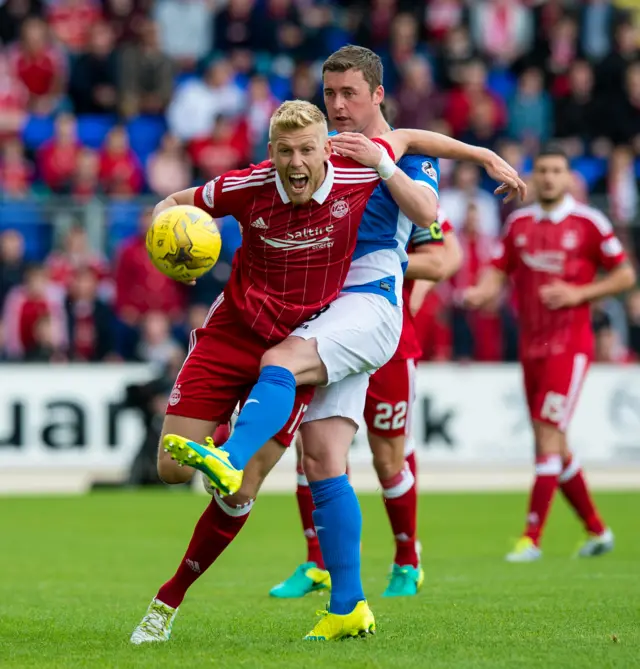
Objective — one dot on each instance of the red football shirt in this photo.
(409, 347)
(293, 260)
(568, 244)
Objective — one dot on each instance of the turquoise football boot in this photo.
(404, 581)
(305, 579)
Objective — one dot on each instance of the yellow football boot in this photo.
(524, 551)
(332, 626)
(211, 461)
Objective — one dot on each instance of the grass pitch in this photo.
(76, 575)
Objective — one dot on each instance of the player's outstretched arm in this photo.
(180, 198)
(487, 289)
(425, 142)
(416, 201)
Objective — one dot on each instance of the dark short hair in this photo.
(352, 57)
(552, 150)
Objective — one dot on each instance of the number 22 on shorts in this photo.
(389, 416)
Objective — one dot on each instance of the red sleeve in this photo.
(607, 248)
(503, 256)
(226, 195)
(385, 145)
(445, 225)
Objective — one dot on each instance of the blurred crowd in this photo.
(122, 99)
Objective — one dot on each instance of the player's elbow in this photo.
(426, 212)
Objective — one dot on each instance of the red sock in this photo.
(306, 508)
(401, 503)
(221, 434)
(217, 528)
(548, 469)
(574, 488)
(413, 464)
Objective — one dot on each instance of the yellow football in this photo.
(183, 242)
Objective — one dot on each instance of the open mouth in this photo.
(298, 182)
(341, 119)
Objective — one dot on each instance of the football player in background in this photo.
(552, 252)
(387, 415)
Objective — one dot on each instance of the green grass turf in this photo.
(76, 575)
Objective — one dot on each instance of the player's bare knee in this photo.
(388, 455)
(319, 469)
(326, 446)
(550, 440)
(300, 357)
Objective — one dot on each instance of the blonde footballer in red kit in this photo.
(552, 251)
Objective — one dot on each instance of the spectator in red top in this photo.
(71, 22)
(39, 65)
(76, 254)
(120, 170)
(57, 158)
(419, 103)
(16, 172)
(472, 92)
(168, 169)
(85, 182)
(90, 322)
(476, 335)
(228, 148)
(25, 306)
(140, 288)
(14, 101)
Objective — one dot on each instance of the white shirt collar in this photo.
(320, 195)
(555, 215)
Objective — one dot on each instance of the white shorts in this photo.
(357, 332)
(344, 399)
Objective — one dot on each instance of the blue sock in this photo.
(264, 414)
(338, 522)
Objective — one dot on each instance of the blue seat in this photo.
(145, 134)
(502, 83)
(37, 130)
(122, 223)
(92, 129)
(29, 218)
(592, 169)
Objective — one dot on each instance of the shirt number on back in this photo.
(390, 417)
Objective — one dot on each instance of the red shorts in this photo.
(553, 386)
(387, 409)
(221, 367)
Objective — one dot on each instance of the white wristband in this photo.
(386, 167)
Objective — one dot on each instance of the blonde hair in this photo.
(295, 115)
